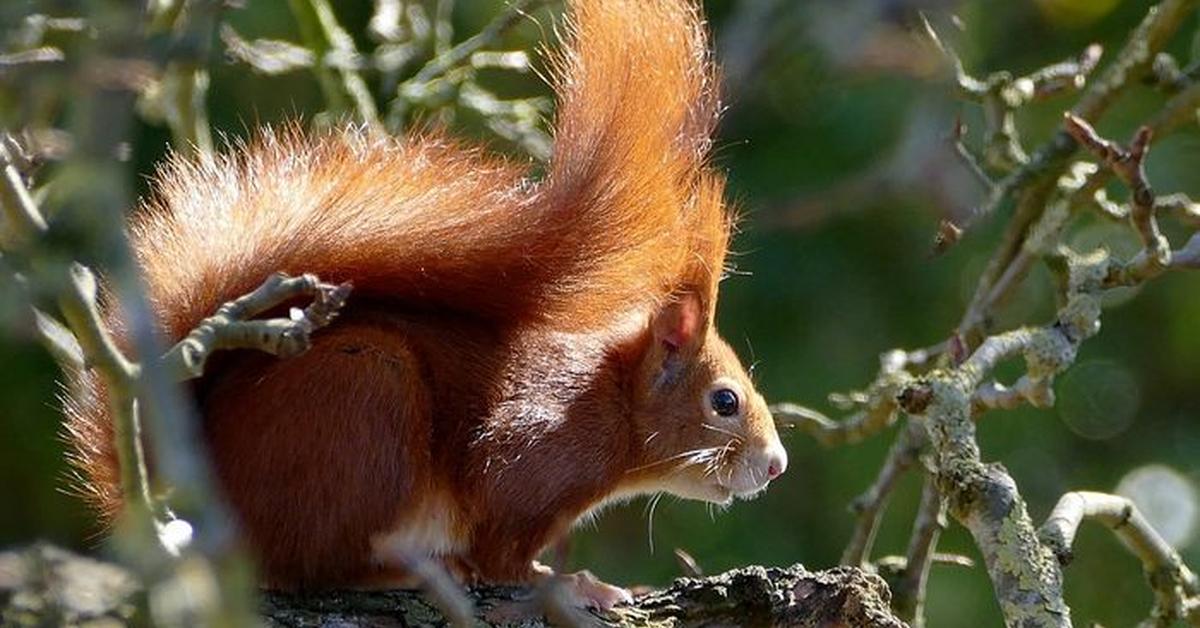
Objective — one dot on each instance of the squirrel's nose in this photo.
(776, 460)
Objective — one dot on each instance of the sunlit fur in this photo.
(515, 352)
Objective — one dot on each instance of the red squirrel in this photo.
(518, 350)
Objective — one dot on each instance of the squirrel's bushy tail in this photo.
(626, 212)
(626, 215)
(638, 103)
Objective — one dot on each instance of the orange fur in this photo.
(515, 351)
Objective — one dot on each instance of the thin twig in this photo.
(456, 56)
(687, 564)
(1001, 94)
(344, 89)
(879, 403)
(266, 56)
(495, 29)
(60, 342)
(869, 506)
(1128, 164)
(909, 590)
(968, 159)
(1187, 257)
(36, 56)
(828, 432)
(231, 328)
(184, 81)
(77, 302)
(993, 395)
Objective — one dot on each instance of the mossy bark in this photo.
(43, 585)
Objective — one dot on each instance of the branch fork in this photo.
(232, 326)
(1129, 165)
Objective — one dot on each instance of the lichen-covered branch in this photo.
(983, 497)
(1033, 184)
(1176, 588)
(948, 398)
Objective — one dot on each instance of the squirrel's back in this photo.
(405, 220)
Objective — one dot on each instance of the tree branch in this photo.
(1128, 164)
(1176, 588)
(231, 327)
(1033, 183)
(783, 597)
(878, 403)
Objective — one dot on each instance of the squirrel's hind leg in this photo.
(321, 453)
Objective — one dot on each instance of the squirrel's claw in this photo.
(588, 591)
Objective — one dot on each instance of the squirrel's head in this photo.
(703, 431)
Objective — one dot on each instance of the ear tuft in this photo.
(678, 325)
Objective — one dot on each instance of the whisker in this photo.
(711, 461)
(709, 426)
(694, 453)
(713, 466)
(650, 520)
(722, 457)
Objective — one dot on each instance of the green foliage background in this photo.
(834, 143)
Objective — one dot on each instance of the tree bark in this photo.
(44, 585)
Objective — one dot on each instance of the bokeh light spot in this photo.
(1166, 498)
(1098, 399)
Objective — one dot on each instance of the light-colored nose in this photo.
(776, 460)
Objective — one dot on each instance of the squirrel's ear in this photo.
(680, 324)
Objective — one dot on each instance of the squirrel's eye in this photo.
(724, 402)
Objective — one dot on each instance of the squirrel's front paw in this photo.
(588, 591)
